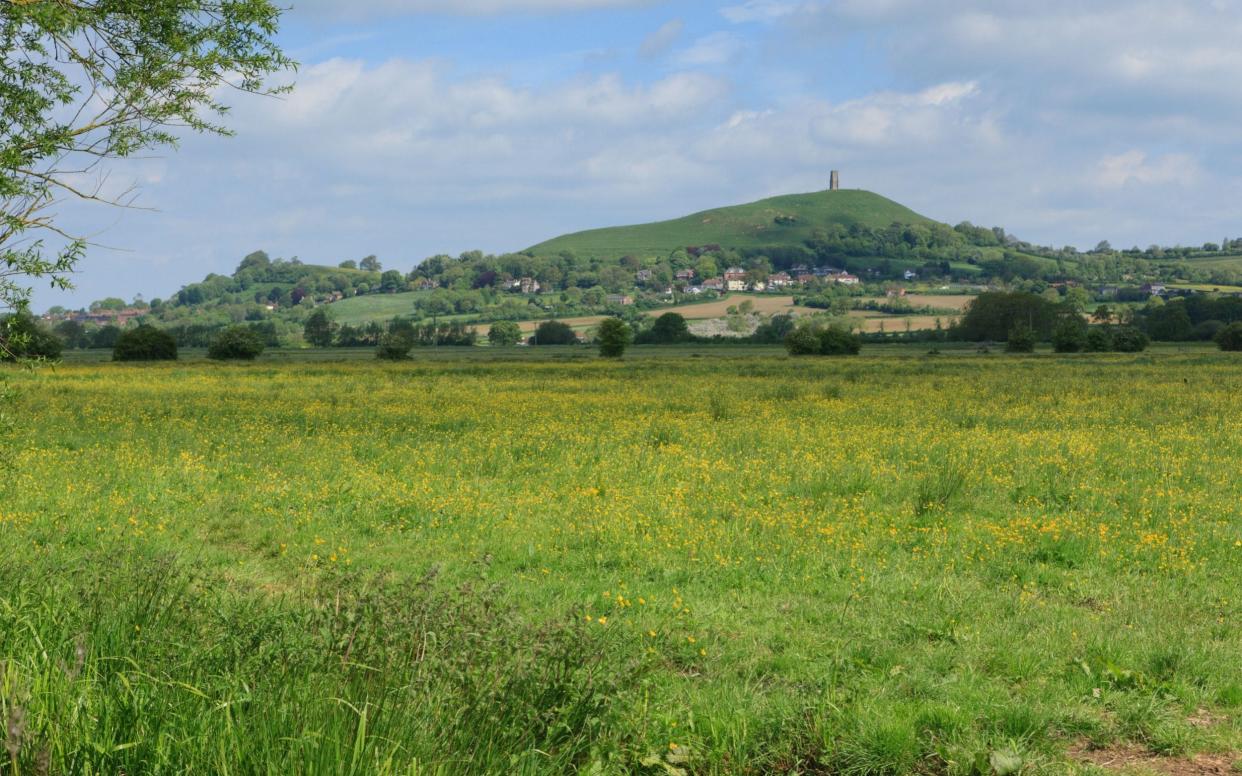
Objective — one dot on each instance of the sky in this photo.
(418, 127)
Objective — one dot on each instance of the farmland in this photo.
(722, 564)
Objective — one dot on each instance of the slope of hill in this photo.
(786, 220)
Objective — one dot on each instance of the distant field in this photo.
(947, 301)
(373, 307)
(696, 559)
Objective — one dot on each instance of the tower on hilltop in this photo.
(835, 184)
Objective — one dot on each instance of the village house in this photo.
(780, 280)
(427, 284)
(643, 276)
(622, 299)
(846, 279)
(1155, 289)
(524, 286)
(909, 274)
(735, 279)
(684, 274)
(713, 284)
(803, 278)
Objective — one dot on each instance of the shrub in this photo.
(1208, 330)
(1230, 337)
(145, 343)
(504, 333)
(614, 337)
(555, 333)
(21, 336)
(1099, 339)
(802, 341)
(395, 345)
(1021, 339)
(836, 341)
(1070, 335)
(238, 343)
(1128, 339)
(668, 329)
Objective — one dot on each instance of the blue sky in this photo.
(437, 126)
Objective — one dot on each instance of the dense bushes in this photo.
(668, 329)
(614, 337)
(811, 340)
(1127, 339)
(145, 343)
(21, 336)
(238, 343)
(1230, 337)
(1070, 335)
(1021, 339)
(993, 315)
(504, 334)
(554, 333)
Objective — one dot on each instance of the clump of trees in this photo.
(145, 343)
(554, 333)
(1230, 337)
(504, 334)
(236, 343)
(22, 337)
(815, 340)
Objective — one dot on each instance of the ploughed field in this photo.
(962, 564)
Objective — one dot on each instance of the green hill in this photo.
(786, 220)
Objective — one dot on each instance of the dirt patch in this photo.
(1134, 759)
(936, 301)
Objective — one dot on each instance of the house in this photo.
(713, 284)
(525, 285)
(802, 278)
(427, 284)
(735, 279)
(846, 279)
(684, 274)
(643, 276)
(622, 299)
(780, 280)
(909, 274)
(1155, 289)
(800, 269)
(1110, 292)
(758, 285)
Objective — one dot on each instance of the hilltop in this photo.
(788, 220)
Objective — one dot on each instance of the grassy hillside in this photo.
(741, 226)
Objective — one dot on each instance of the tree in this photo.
(348, 264)
(1230, 337)
(1127, 339)
(802, 341)
(1102, 314)
(1070, 334)
(392, 281)
(1099, 339)
(838, 341)
(370, 264)
(614, 337)
(555, 333)
(992, 315)
(145, 343)
(1020, 339)
(318, 328)
(85, 82)
(670, 328)
(22, 337)
(236, 343)
(504, 334)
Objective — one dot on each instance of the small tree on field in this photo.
(395, 345)
(670, 328)
(837, 341)
(1230, 337)
(318, 329)
(1099, 339)
(614, 337)
(1128, 339)
(1070, 335)
(1021, 339)
(555, 333)
(504, 334)
(21, 337)
(802, 341)
(145, 343)
(236, 343)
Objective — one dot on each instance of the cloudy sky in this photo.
(437, 126)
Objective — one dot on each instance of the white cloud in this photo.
(759, 11)
(717, 48)
(660, 41)
(1137, 167)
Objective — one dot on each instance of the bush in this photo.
(21, 336)
(774, 330)
(835, 341)
(802, 341)
(1070, 335)
(1230, 337)
(145, 343)
(1208, 330)
(238, 343)
(669, 328)
(555, 333)
(395, 345)
(1021, 339)
(1099, 339)
(614, 337)
(1128, 339)
(504, 333)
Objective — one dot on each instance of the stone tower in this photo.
(835, 184)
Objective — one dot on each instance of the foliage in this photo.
(614, 336)
(318, 328)
(668, 329)
(993, 315)
(1230, 337)
(239, 343)
(22, 337)
(773, 330)
(1099, 339)
(554, 333)
(395, 344)
(1127, 339)
(802, 341)
(838, 341)
(1070, 334)
(145, 343)
(504, 334)
(1020, 339)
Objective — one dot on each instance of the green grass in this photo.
(374, 307)
(742, 226)
(714, 560)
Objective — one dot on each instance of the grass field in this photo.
(484, 562)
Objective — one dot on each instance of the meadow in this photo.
(732, 563)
